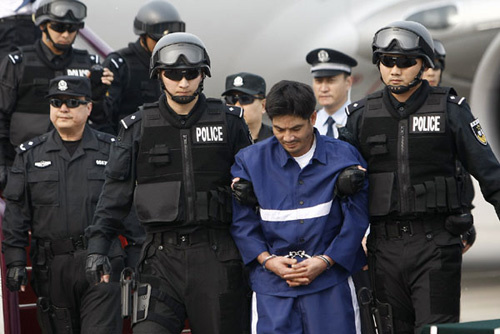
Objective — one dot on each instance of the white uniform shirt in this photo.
(339, 116)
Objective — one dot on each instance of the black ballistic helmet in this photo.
(65, 11)
(158, 18)
(439, 52)
(179, 50)
(404, 38)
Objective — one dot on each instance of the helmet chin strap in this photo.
(403, 89)
(183, 99)
(61, 47)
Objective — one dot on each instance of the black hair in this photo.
(290, 98)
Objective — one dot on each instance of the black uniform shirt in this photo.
(476, 156)
(113, 208)
(52, 193)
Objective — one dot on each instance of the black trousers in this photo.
(91, 309)
(418, 273)
(203, 273)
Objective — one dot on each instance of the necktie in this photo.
(330, 122)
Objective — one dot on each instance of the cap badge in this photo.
(323, 56)
(238, 81)
(62, 85)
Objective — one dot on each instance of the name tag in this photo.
(429, 123)
(209, 134)
(101, 162)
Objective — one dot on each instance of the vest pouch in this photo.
(381, 188)
(378, 144)
(157, 202)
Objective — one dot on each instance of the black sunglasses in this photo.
(401, 62)
(70, 103)
(62, 27)
(243, 99)
(178, 74)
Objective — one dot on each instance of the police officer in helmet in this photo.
(411, 135)
(132, 85)
(173, 159)
(25, 76)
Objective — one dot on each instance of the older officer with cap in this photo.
(248, 91)
(332, 81)
(52, 191)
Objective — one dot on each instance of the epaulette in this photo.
(95, 59)
(116, 59)
(106, 137)
(217, 105)
(16, 57)
(128, 121)
(28, 145)
(353, 107)
(456, 99)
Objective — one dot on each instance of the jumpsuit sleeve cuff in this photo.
(15, 254)
(98, 245)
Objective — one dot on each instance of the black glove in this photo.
(350, 181)
(244, 194)
(469, 237)
(97, 265)
(16, 276)
(3, 176)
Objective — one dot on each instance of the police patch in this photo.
(209, 134)
(428, 123)
(43, 164)
(478, 132)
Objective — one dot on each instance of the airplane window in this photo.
(436, 18)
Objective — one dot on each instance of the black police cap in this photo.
(328, 62)
(247, 83)
(70, 85)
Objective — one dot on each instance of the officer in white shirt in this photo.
(332, 81)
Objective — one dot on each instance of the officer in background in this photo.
(434, 77)
(248, 91)
(25, 75)
(16, 25)
(411, 135)
(52, 191)
(172, 159)
(332, 81)
(132, 85)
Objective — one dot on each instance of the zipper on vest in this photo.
(403, 167)
(188, 176)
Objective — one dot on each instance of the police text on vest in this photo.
(209, 134)
(426, 123)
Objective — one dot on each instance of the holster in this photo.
(459, 224)
(376, 317)
(52, 319)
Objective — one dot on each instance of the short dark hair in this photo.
(290, 98)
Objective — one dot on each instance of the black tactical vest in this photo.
(31, 116)
(183, 173)
(411, 159)
(140, 88)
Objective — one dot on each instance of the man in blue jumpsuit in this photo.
(304, 243)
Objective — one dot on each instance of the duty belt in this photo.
(178, 239)
(63, 246)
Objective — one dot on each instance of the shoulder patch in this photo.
(128, 121)
(28, 145)
(478, 132)
(354, 107)
(106, 137)
(456, 99)
(16, 57)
